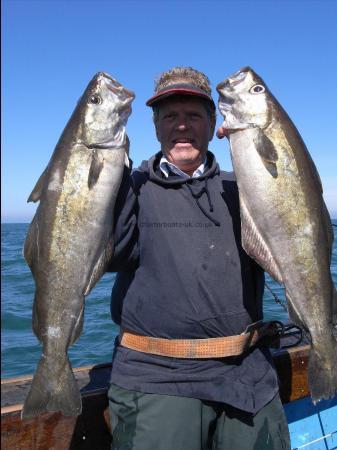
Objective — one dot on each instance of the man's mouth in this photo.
(182, 141)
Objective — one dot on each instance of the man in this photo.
(183, 275)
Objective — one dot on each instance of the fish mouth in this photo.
(238, 76)
(117, 88)
(234, 79)
(124, 114)
(224, 107)
(121, 91)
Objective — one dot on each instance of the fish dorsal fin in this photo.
(312, 167)
(96, 167)
(255, 246)
(326, 222)
(101, 265)
(267, 152)
(31, 245)
(334, 313)
(38, 188)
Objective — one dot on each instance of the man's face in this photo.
(184, 128)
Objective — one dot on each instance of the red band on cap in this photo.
(181, 89)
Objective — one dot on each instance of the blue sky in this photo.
(51, 49)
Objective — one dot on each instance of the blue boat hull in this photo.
(312, 427)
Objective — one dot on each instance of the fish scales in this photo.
(285, 223)
(70, 239)
(290, 219)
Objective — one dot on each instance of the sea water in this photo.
(21, 349)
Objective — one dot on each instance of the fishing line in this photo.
(277, 300)
(289, 330)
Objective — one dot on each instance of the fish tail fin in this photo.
(54, 388)
(322, 374)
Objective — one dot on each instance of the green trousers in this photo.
(161, 422)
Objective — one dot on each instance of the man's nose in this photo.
(182, 124)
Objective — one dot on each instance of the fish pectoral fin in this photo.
(96, 167)
(267, 152)
(38, 188)
(255, 246)
(100, 266)
(314, 171)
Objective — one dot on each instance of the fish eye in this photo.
(257, 89)
(95, 99)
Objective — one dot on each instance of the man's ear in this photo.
(157, 130)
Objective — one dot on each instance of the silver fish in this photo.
(285, 224)
(70, 238)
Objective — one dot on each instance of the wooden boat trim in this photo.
(91, 428)
(292, 360)
(18, 408)
(11, 409)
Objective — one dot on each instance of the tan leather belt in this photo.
(219, 347)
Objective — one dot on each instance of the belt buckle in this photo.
(253, 326)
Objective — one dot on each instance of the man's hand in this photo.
(222, 132)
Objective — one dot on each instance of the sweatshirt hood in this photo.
(196, 186)
(151, 167)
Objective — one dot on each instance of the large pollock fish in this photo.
(286, 227)
(70, 238)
